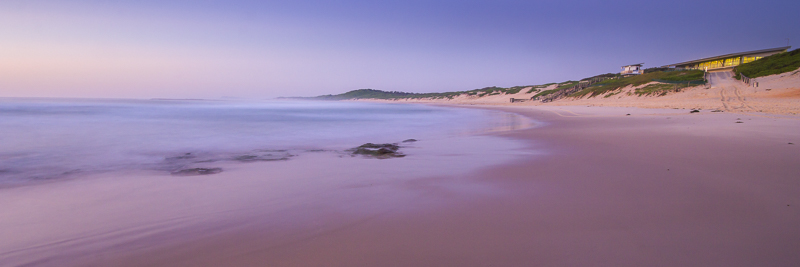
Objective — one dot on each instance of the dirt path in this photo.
(733, 100)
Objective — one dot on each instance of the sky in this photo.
(265, 49)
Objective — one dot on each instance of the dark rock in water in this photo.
(182, 159)
(70, 172)
(739, 122)
(791, 143)
(381, 151)
(264, 155)
(694, 111)
(409, 140)
(197, 171)
(716, 110)
(184, 156)
(273, 150)
(384, 151)
(246, 158)
(377, 146)
(253, 158)
(627, 114)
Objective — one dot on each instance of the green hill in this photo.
(366, 93)
(774, 64)
(378, 94)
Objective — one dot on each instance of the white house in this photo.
(634, 69)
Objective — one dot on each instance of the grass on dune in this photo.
(538, 87)
(636, 80)
(561, 86)
(659, 89)
(774, 64)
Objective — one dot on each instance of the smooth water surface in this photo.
(43, 139)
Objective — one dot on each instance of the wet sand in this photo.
(653, 188)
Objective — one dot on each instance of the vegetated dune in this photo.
(775, 94)
(478, 100)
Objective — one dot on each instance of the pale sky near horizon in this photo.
(264, 49)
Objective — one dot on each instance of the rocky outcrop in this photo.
(379, 151)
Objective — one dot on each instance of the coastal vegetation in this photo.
(393, 95)
(566, 85)
(658, 89)
(613, 82)
(668, 79)
(676, 76)
(560, 87)
(539, 87)
(774, 64)
(546, 92)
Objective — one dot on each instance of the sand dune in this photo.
(776, 94)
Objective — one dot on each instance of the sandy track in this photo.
(724, 100)
(725, 82)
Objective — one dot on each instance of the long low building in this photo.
(729, 60)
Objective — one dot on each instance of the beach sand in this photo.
(599, 187)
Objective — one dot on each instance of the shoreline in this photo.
(71, 222)
(658, 187)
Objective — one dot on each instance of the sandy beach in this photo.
(593, 186)
(399, 133)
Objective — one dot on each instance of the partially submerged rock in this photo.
(197, 171)
(694, 111)
(184, 156)
(264, 155)
(380, 151)
(409, 140)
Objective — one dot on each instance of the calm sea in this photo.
(45, 139)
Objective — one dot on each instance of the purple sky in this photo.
(262, 49)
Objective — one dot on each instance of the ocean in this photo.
(50, 139)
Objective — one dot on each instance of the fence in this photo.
(748, 81)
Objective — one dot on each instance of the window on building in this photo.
(750, 59)
(712, 64)
(732, 62)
